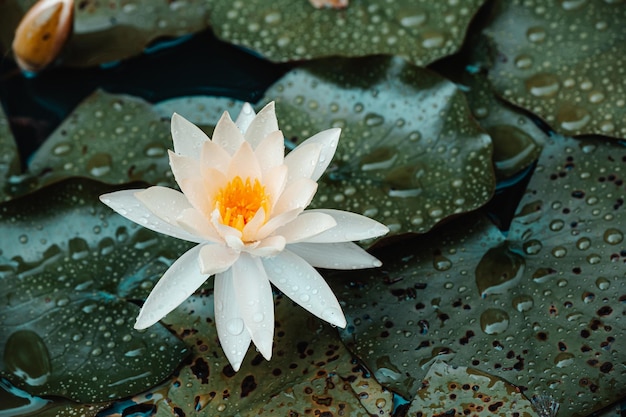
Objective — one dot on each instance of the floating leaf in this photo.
(311, 372)
(462, 391)
(112, 138)
(410, 153)
(105, 32)
(562, 60)
(286, 30)
(65, 329)
(541, 309)
(9, 159)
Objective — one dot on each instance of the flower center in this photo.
(239, 201)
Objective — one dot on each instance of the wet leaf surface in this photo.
(105, 32)
(461, 391)
(541, 309)
(311, 372)
(409, 155)
(9, 158)
(67, 270)
(563, 61)
(286, 30)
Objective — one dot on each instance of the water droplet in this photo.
(235, 326)
(563, 359)
(100, 164)
(613, 236)
(373, 119)
(523, 61)
(559, 251)
(432, 39)
(379, 158)
(494, 321)
(523, 303)
(572, 4)
(258, 317)
(304, 298)
(536, 34)
(583, 243)
(572, 117)
(543, 274)
(154, 150)
(62, 149)
(441, 263)
(556, 225)
(543, 85)
(602, 283)
(273, 18)
(27, 357)
(411, 19)
(532, 247)
(498, 270)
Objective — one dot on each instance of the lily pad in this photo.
(410, 153)
(311, 372)
(286, 30)
(461, 391)
(9, 159)
(65, 328)
(111, 138)
(106, 32)
(541, 309)
(562, 60)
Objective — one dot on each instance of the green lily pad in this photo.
(9, 159)
(111, 138)
(461, 391)
(562, 60)
(105, 32)
(286, 30)
(541, 309)
(410, 153)
(311, 372)
(66, 269)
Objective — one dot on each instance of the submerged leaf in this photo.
(65, 267)
(287, 30)
(410, 153)
(541, 309)
(563, 60)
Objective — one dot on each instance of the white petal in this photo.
(227, 134)
(231, 331)
(302, 161)
(298, 194)
(305, 226)
(350, 227)
(303, 284)
(166, 203)
(223, 230)
(216, 258)
(328, 139)
(183, 167)
(270, 246)
(196, 223)
(251, 228)
(263, 124)
(271, 151)
(245, 117)
(256, 302)
(346, 255)
(274, 182)
(244, 164)
(276, 222)
(125, 203)
(214, 156)
(188, 138)
(178, 283)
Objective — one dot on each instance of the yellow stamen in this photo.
(238, 202)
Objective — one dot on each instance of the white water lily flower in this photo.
(243, 202)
